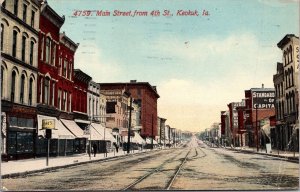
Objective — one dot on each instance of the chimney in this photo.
(262, 85)
(132, 81)
(154, 87)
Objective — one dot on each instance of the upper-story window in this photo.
(30, 91)
(16, 4)
(2, 73)
(53, 55)
(23, 47)
(65, 68)
(13, 86)
(22, 88)
(2, 36)
(24, 12)
(70, 71)
(14, 45)
(32, 18)
(46, 90)
(48, 49)
(42, 48)
(59, 99)
(31, 53)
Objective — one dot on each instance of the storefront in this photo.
(108, 138)
(18, 132)
(80, 141)
(61, 142)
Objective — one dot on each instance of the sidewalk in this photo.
(288, 155)
(26, 166)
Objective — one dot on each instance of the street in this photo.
(193, 167)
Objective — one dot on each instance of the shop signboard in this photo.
(263, 99)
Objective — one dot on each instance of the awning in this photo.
(105, 132)
(74, 128)
(60, 131)
(94, 134)
(82, 121)
(149, 141)
(138, 139)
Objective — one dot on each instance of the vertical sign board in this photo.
(48, 124)
(263, 99)
(296, 57)
(235, 119)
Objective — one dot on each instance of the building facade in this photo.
(19, 74)
(93, 100)
(147, 96)
(286, 84)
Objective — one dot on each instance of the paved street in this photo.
(205, 168)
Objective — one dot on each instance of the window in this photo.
(70, 102)
(41, 89)
(23, 48)
(2, 73)
(31, 53)
(52, 93)
(24, 12)
(13, 86)
(46, 90)
(2, 34)
(53, 55)
(48, 50)
(93, 109)
(70, 71)
(90, 106)
(14, 46)
(65, 101)
(32, 18)
(30, 92)
(42, 48)
(59, 98)
(65, 68)
(16, 4)
(22, 89)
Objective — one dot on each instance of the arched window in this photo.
(2, 36)
(286, 79)
(30, 91)
(31, 53)
(46, 90)
(14, 43)
(291, 53)
(13, 86)
(289, 77)
(22, 88)
(23, 48)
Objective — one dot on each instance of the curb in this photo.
(290, 159)
(48, 169)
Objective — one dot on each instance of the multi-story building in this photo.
(259, 104)
(19, 68)
(102, 108)
(147, 96)
(161, 123)
(234, 121)
(287, 94)
(93, 97)
(65, 84)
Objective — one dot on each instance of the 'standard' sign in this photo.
(263, 99)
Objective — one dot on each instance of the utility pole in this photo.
(129, 126)
(257, 148)
(152, 133)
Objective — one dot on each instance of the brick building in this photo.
(233, 115)
(147, 97)
(259, 104)
(287, 95)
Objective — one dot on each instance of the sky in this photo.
(198, 63)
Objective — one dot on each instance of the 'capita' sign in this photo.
(263, 99)
(48, 124)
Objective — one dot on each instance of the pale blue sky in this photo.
(199, 64)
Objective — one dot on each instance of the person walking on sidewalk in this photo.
(95, 149)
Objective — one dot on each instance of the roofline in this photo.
(130, 83)
(285, 39)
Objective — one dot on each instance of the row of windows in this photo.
(288, 55)
(48, 47)
(279, 90)
(290, 105)
(65, 68)
(25, 11)
(25, 42)
(92, 107)
(289, 77)
(25, 90)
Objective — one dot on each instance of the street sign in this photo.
(48, 124)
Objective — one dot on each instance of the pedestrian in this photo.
(95, 149)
